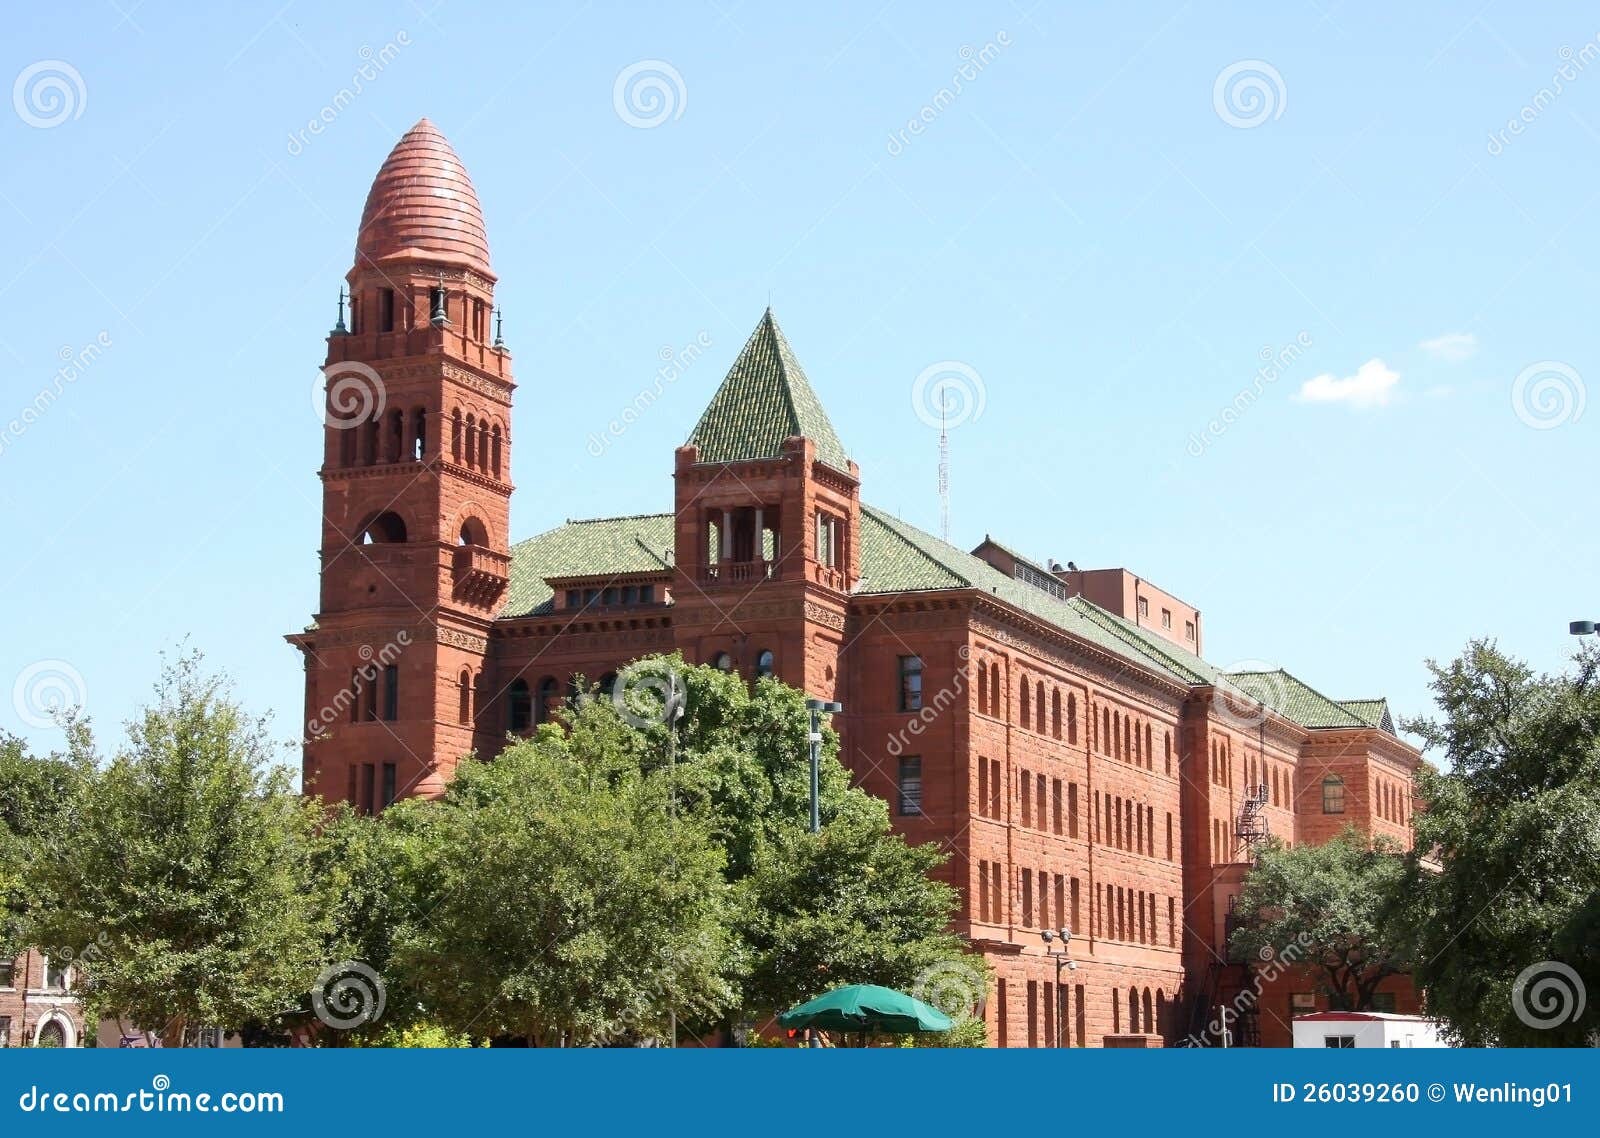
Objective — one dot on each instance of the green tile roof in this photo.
(599, 546)
(1294, 699)
(897, 557)
(1372, 712)
(765, 399)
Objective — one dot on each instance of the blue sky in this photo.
(1109, 227)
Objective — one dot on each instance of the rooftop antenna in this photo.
(944, 467)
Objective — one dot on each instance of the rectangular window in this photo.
(1027, 898)
(350, 789)
(983, 891)
(1144, 608)
(1172, 923)
(996, 788)
(55, 976)
(391, 693)
(1072, 809)
(386, 310)
(910, 683)
(829, 534)
(1044, 899)
(999, 902)
(1333, 795)
(1027, 798)
(5, 1031)
(1055, 805)
(1033, 1013)
(1076, 925)
(1078, 1014)
(1166, 618)
(1338, 1041)
(1049, 1014)
(647, 594)
(366, 787)
(8, 974)
(574, 598)
(983, 785)
(1039, 818)
(1383, 1002)
(1061, 900)
(1000, 1014)
(388, 783)
(910, 784)
(1188, 630)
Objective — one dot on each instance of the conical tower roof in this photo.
(765, 399)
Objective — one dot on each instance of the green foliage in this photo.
(1511, 838)
(564, 903)
(421, 1035)
(39, 801)
(1333, 907)
(183, 890)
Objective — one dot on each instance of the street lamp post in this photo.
(1063, 958)
(817, 707)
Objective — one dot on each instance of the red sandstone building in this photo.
(1056, 730)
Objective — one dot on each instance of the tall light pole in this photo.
(677, 700)
(1063, 958)
(816, 707)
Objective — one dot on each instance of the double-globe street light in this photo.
(1063, 958)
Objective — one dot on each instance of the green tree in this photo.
(1334, 907)
(39, 799)
(186, 882)
(564, 903)
(1507, 881)
(853, 904)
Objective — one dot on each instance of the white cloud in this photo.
(1452, 347)
(1371, 386)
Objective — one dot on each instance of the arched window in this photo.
(419, 434)
(1055, 713)
(494, 451)
(983, 688)
(722, 662)
(1161, 1012)
(51, 1035)
(608, 684)
(1133, 1011)
(1149, 1013)
(483, 444)
(472, 440)
(994, 690)
(764, 663)
(395, 447)
(387, 528)
(549, 693)
(1149, 749)
(464, 696)
(347, 447)
(1023, 695)
(1038, 706)
(1333, 795)
(1166, 746)
(455, 434)
(473, 532)
(519, 706)
(1072, 718)
(374, 436)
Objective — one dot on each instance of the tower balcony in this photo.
(481, 574)
(739, 572)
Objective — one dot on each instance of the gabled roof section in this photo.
(597, 547)
(1372, 712)
(897, 557)
(1294, 699)
(765, 399)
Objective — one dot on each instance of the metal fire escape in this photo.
(1252, 828)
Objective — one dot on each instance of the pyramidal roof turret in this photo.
(765, 399)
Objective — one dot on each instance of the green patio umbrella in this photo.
(868, 1008)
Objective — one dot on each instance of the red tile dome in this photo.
(423, 200)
